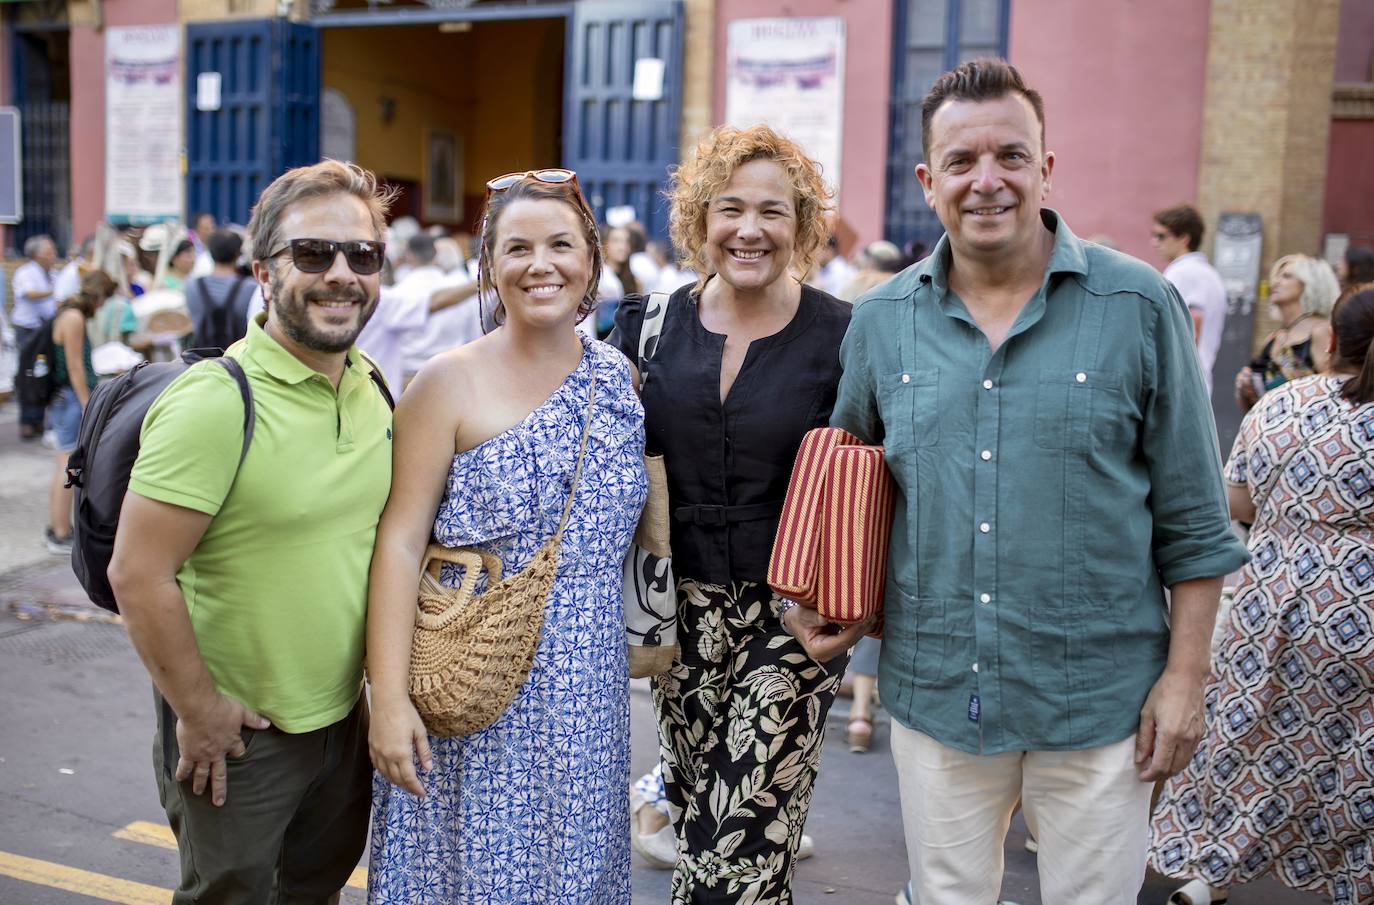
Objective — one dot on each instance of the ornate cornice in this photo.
(1352, 100)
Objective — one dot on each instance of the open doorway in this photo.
(438, 109)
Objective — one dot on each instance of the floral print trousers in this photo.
(741, 721)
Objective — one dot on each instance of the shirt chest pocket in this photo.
(910, 408)
(1071, 407)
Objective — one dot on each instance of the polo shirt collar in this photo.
(1067, 256)
(284, 366)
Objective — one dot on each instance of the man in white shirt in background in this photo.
(1177, 236)
(448, 322)
(834, 272)
(34, 303)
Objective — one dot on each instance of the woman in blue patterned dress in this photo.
(533, 808)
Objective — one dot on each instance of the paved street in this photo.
(79, 816)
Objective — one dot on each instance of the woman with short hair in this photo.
(747, 362)
(1302, 290)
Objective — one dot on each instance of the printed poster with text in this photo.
(143, 102)
(789, 73)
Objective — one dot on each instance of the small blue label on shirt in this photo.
(973, 708)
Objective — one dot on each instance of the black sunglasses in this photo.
(317, 255)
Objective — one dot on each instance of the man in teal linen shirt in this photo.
(1045, 420)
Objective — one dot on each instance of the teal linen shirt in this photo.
(1047, 493)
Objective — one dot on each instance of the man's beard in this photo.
(292, 310)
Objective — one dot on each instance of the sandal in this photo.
(859, 733)
(1196, 892)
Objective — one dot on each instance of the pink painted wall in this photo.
(1355, 46)
(1123, 84)
(88, 105)
(867, 79)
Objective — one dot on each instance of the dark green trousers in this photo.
(294, 822)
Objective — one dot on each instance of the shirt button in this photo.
(987, 384)
(985, 527)
(986, 598)
(1080, 377)
(975, 667)
(985, 454)
(906, 378)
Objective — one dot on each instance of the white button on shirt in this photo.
(1080, 377)
(986, 598)
(985, 455)
(985, 527)
(987, 384)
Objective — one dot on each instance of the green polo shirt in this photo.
(1046, 494)
(277, 586)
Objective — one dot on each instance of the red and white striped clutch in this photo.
(831, 550)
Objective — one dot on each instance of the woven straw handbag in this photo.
(471, 653)
(831, 549)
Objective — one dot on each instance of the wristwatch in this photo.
(785, 606)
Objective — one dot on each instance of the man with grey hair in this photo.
(242, 575)
(34, 304)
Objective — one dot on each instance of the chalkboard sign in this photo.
(11, 168)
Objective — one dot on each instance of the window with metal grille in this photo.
(929, 37)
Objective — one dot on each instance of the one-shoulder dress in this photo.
(534, 808)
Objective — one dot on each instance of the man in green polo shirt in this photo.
(1044, 417)
(245, 588)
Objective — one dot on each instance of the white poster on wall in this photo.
(789, 73)
(143, 101)
(338, 126)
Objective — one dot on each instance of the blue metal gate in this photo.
(620, 147)
(268, 118)
(929, 37)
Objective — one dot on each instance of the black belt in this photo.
(724, 515)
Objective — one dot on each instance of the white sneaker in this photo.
(49, 439)
(658, 849)
(806, 848)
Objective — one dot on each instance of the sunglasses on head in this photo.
(317, 255)
(555, 176)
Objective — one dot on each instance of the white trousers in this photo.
(1090, 813)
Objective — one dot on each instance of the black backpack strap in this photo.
(378, 379)
(236, 371)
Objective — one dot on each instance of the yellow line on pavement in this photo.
(81, 882)
(148, 834)
(161, 836)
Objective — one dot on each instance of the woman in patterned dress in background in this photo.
(1283, 779)
(531, 809)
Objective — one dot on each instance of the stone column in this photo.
(698, 72)
(1267, 121)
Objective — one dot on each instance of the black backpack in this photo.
(107, 447)
(34, 383)
(219, 326)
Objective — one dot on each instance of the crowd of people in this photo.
(1063, 528)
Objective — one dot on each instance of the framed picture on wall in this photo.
(443, 194)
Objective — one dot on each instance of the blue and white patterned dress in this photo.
(533, 809)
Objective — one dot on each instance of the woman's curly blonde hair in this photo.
(714, 161)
